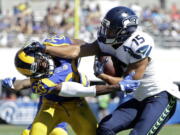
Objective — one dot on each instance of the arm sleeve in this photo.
(73, 89)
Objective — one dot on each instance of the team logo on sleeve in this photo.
(144, 51)
(140, 53)
(62, 68)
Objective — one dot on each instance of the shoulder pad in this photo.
(140, 45)
(57, 40)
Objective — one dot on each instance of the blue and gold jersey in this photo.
(57, 40)
(66, 70)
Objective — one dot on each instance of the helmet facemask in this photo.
(43, 66)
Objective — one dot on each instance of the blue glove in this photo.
(8, 83)
(128, 84)
(99, 66)
(35, 46)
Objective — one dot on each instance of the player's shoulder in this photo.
(140, 38)
(50, 80)
(57, 40)
(140, 44)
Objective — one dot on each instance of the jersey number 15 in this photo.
(138, 40)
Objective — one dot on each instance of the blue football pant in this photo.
(146, 117)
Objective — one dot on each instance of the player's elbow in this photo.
(75, 53)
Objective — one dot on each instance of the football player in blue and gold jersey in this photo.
(45, 73)
(17, 85)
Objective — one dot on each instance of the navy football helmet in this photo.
(34, 64)
(117, 26)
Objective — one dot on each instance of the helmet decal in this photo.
(130, 22)
(25, 58)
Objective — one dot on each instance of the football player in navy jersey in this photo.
(154, 101)
(46, 75)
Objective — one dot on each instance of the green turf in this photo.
(11, 130)
(16, 130)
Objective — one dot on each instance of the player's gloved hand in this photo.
(128, 84)
(35, 47)
(99, 66)
(8, 83)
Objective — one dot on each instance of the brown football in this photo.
(113, 67)
(108, 67)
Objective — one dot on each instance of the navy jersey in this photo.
(66, 70)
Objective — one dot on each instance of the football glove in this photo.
(35, 47)
(128, 84)
(8, 83)
(99, 66)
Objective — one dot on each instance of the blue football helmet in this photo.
(34, 64)
(117, 26)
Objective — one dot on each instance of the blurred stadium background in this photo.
(22, 20)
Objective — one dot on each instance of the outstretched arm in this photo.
(73, 89)
(78, 49)
(16, 85)
(73, 51)
(110, 79)
(22, 84)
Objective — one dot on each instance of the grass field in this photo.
(16, 130)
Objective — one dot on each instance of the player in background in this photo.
(154, 101)
(10, 84)
(46, 81)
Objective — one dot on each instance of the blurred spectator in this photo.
(137, 9)
(21, 23)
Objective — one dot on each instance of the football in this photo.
(109, 66)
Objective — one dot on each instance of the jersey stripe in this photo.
(69, 77)
(51, 44)
(48, 82)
